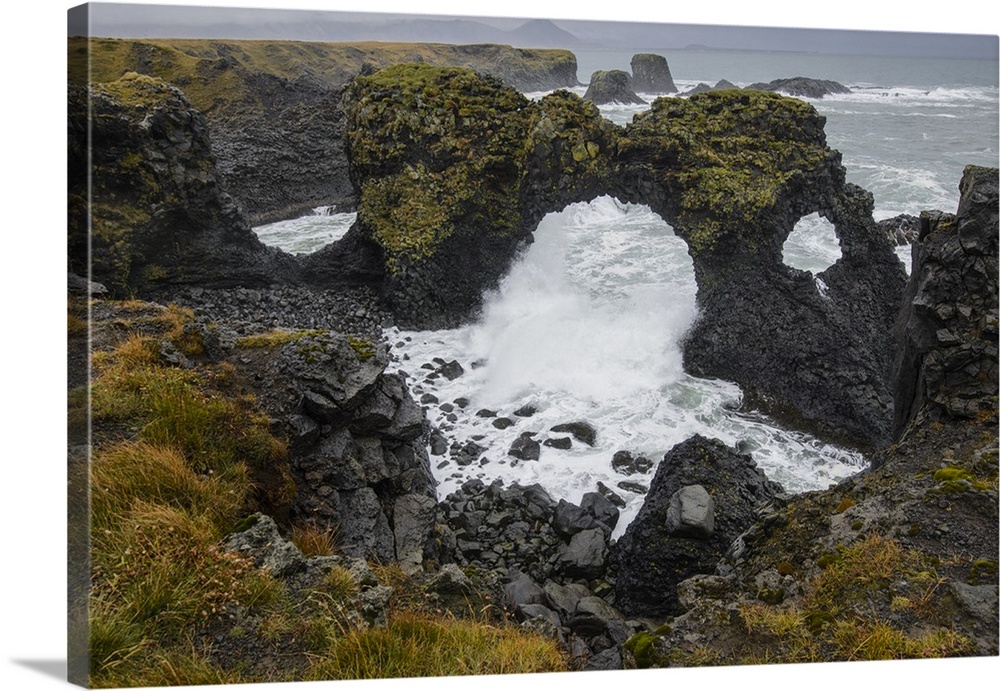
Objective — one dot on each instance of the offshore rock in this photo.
(946, 366)
(651, 74)
(660, 548)
(702, 87)
(611, 86)
(158, 214)
(802, 86)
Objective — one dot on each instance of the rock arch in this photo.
(455, 170)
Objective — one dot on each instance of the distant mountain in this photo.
(543, 33)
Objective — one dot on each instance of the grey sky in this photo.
(175, 21)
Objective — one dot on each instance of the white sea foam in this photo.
(587, 327)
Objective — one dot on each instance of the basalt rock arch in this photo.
(455, 170)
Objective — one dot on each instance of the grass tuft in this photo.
(413, 645)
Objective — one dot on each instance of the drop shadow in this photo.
(50, 668)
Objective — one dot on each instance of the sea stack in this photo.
(651, 74)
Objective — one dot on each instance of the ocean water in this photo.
(588, 322)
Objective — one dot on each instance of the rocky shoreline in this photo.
(721, 566)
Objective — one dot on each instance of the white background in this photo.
(32, 600)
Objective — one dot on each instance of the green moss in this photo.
(436, 151)
(642, 646)
(363, 347)
(772, 596)
(275, 338)
(982, 569)
(730, 157)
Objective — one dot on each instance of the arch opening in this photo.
(308, 233)
(812, 245)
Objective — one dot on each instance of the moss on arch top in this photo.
(440, 152)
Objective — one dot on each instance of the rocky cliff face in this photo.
(157, 212)
(354, 434)
(946, 363)
(454, 172)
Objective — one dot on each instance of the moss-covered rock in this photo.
(154, 208)
(455, 170)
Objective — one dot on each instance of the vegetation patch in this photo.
(834, 620)
(175, 470)
(413, 645)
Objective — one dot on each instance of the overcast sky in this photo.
(138, 21)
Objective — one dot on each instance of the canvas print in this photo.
(407, 346)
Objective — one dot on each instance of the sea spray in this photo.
(587, 327)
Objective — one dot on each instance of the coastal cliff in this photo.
(271, 400)
(244, 87)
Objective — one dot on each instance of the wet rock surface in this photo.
(947, 360)
(703, 496)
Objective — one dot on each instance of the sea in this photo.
(587, 325)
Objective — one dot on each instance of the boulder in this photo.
(623, 462)
(413, 521)
(611, 86)
(581, 430)
(661, 547)
(269, 550)
(586, 554)
(651, 74)
(691, 513)
(525, 448)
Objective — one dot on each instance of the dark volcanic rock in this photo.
(802, 86)
(947, 331)
(525, 448)
(525, 530)
(651, 74)
(158, 215)
(702, 87)
(581, 430)
(357, 454)
(653, 557)
(611, 86)
(559, 443)
(903, 229)
(624, 463)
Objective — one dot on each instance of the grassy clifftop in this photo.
(214, 73)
